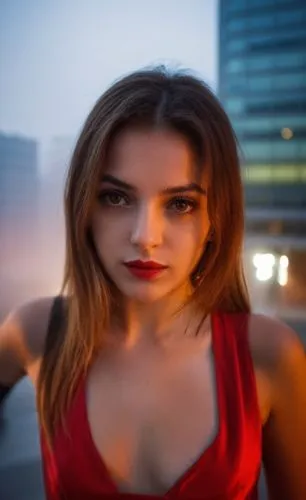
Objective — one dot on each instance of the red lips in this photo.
(146, 270)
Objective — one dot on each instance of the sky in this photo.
(58, 56)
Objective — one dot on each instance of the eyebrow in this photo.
(187, 188)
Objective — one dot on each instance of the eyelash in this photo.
(105, 196)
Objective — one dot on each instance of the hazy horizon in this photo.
(57, 57)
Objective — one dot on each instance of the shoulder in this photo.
(278, 353)
(279, 358)
(25, 328)
(273, 344)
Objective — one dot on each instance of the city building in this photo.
(56, 160)
(19, 195)
(19, 184)
(262, 85)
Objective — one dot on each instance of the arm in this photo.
(12, 354)
(284, 435)
(22, 337)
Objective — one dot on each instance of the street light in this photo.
(283, 270)
(286, 133)
(264, 264)
(269, 266)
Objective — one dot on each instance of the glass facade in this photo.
(262, 85)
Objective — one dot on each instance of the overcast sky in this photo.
(58, 56)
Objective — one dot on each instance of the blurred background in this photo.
(58, 56)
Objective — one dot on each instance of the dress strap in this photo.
(56, 324)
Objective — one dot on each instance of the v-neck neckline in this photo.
(204, 456)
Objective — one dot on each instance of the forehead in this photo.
(152, 159)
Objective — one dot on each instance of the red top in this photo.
(227, 470)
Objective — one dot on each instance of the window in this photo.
(251, 23)
(277, 196)
(302, 153)
(289, 2)
(253, 125)
(286, 150)
(274, 173)
(261, 63)
(280, 61)
(237, 25)
(257, 40)
(261, 22)
(289, 82)
(290, 16)
(233, 105)
(236, 65)
(256, 151)
(259, 107)
(268, 124)
(259, 3)
(237, 83)
(292, 60)
(285, 174)
(276, 39)
(236, 45)
(262, 83)
(274, 150)
(288, 105)
(234, 5)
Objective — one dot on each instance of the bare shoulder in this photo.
(22, 337)
(278, 352)
(274, 345)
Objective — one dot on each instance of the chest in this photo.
(151, 420)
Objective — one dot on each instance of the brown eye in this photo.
(113, 199)
(182, 205)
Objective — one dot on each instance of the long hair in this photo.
(159, 98)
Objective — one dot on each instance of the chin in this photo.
(144, 293)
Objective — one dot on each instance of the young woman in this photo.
(153, 377)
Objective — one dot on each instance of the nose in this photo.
(147, 231)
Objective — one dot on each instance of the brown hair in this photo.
(159, 98)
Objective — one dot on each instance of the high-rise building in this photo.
(56, 163)
(262, 85)
(19, 194)
(52, 228)
(18, 178)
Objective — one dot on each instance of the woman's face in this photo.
(150, 221)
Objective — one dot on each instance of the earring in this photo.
(211, 235)
(198, 273)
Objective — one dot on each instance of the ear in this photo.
(198, 271)
(211, 235)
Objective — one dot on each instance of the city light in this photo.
(268, 265)
(283, 270)
(264, 264)
(286, 133)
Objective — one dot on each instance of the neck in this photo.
(156, 321)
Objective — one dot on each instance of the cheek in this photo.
(107, 233)
(100, 232)
(193, 239)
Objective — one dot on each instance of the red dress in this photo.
(227, 470)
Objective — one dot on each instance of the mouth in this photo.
(145, 270)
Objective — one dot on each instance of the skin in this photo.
(146, 222)
(152, 358)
